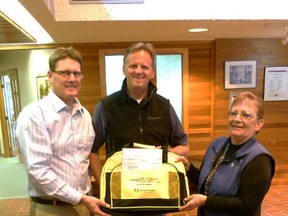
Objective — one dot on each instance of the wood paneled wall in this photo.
(200, 81)
(208, 101)
(274, 134)
(201, 93)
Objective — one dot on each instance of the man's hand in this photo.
(185, 162)
(94, 204)
(182, 150)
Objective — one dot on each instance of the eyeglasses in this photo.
(243, 115)
(66, 74)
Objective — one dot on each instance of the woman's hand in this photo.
(193, 201)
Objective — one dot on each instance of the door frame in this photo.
(5, 133)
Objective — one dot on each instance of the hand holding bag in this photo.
(159, 191)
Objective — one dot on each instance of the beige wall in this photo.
(29, 64)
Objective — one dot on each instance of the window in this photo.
(172, 68)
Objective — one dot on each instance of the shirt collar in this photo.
(60, 105)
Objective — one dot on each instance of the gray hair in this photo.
(254, 99)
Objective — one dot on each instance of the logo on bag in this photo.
(143, 180)
(137, 191)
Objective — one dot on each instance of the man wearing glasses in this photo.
(55, 136)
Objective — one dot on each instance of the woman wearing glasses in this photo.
(236, 172)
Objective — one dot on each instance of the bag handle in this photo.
(165, 152)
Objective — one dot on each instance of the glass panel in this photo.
(169, 80)
(114, 73)
(9, 112)
(168, 77)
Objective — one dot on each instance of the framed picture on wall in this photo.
(232, 96)
(276, 84)
(43, 86)
(240, 74)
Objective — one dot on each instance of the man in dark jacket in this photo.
(136, 113)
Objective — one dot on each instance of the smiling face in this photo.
(66, 88)
(139, 70)
(243, 121)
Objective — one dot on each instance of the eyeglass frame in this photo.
(246, 116)
(66, 73)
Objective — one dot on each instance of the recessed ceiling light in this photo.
(198, 30)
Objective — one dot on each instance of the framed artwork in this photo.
(232, 96)
(276, 84)
(240, 74)
(43, 86)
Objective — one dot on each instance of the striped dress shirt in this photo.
(55, 142)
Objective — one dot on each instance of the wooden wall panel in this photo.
(267, 52)
(200, 86)
(208, 101)
(90, 86)
(200, 104)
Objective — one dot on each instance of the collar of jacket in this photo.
(240, 153)
(152, 89)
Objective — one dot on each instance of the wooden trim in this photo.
(212, 84)
(5, 138)
(185, 87)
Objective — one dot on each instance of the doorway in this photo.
(9, 111)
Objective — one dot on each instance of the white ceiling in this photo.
(159, 20)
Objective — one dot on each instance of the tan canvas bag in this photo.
(160, 190)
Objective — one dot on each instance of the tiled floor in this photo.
(14, 207)
(276, 201)
(275, 204)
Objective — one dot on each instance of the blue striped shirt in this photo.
(55, 143)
